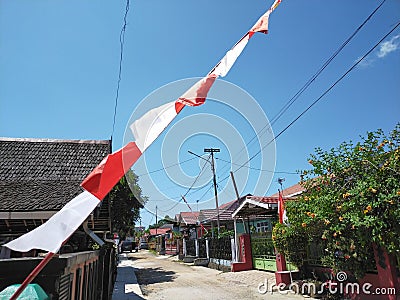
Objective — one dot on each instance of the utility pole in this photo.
(234, 185)
(212, 150)
(156, 220)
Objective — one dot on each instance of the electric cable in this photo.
(258, 169)
(295, 97)
(201, 172)
(170, 166)
(320, 97)
(121, 42)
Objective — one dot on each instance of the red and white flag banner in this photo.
(145, 130)
(52, 234)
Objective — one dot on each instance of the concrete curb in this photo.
(126, 285)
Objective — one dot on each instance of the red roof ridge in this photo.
(291, 191)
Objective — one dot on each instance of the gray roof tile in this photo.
(41, 174)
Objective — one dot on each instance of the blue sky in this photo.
(59, 69)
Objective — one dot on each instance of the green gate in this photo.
(263, 253)
(264, 256)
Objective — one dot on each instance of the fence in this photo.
(202, 248)
(219, 251)
(85, 275)
(220, 248)
(190, 247)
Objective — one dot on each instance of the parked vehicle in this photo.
(128, 246)
(143, 245)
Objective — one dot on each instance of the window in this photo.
(262, 226)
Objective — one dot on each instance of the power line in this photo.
(330, 59)
(257, 169)
(320, 97)
(306, 110)
(211, 186)
(295, 97)
(174, 186)
(153, 215)
(164, 168)
(187, 192)
(300, 115)
(201, 172)
(121, 42)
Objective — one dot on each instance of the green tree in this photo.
(351, 201)
(166, 220)
(125, 202)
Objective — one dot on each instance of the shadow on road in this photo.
(128, 256)
(148, 276)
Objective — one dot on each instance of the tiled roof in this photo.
(37, 195)
(43, 174)
(225, 212)
(168, 226)
(189, 217)
(266, 205)
(39, 159)
(228, 204)
(291, 191)
(263, 199)
(159, 231)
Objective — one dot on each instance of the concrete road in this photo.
(164, 277)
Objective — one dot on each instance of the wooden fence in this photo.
(86, 275)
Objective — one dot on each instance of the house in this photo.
(189, 224)
(39, 176)
(139, 229)
(256, 216)
(209, 217)
(154, 232)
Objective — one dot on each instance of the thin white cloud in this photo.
(388, 46)
(366, 62)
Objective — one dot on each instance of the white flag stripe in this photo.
(230, 57)
(148, 127)
(50, 235)
(262, 23)
(197, 93)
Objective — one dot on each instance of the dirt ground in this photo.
(164, 277)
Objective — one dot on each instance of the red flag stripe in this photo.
(197, 94)
(103, 178)
(281, 208)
